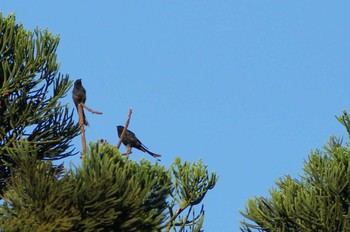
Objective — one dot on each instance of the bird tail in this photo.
(86, 123)
(151, 153)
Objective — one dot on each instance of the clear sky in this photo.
(249, 87)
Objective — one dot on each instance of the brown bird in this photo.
(79, 96)
(131, 140)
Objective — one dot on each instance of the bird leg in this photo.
(128, 150)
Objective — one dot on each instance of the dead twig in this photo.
(82, 127)
(123, 133)
(81, 107)
(90, 110)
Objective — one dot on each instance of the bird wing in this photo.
(130, 132)
(135, 138)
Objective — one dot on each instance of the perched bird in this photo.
(130, 139)
(79, 96)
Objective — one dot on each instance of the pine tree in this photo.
(319, 201)
(29, 95)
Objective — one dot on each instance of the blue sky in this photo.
(249, 87)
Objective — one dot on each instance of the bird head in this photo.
(77, 82)
(120, 129)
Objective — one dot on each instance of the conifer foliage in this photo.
(319, 201)
(29, 95)
(107, 192)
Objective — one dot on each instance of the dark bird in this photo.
(79, 96)
(130, 139)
